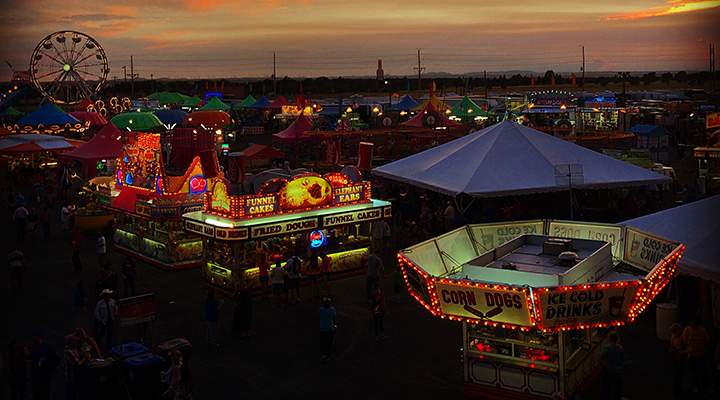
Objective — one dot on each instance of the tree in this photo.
(666, 78)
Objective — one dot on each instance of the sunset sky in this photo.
(312, 38)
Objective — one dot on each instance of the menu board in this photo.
(484, 304)
(645, 251)
(591, 305)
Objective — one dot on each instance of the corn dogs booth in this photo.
(148, 205)
(537, 298)
(328, 214)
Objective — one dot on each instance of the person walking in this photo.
(32, 222)
(173, 378)
(313, 270)
(449, 215)
(263, 274)
(242, 314)
(16, 264)
(105, 313)
(678, 355)
(129, 274)
(378, 310)
(20, 217)
(612, 355)
(277, 274)
(326, 271)
(43, 362)
(72, 209)
(78, 241)
(212, 316)
(79, 301)
(71, 363)
(65, 217)
(374, 269)
(327, 314)
(45, 220)
(696, 338)
(294, 269)
(16, 367)
(101, 249)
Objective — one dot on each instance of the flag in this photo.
(432, 89)
(222, 84)
(552, 79)
(532, 80)
(574, 79)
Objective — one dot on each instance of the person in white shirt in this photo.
(65, 217)
(449, 217)
(106, 311)
(277, 280)
(101, 248)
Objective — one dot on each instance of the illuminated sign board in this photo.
(591, 304)
(231, 233)
(284, 227)
(712, 121)
(261, 205)
(490, 236)
(199, 228)
(646, 251)
(349, 194)
(484, 303)
(552, 99)
(352, 217)
(142, 209)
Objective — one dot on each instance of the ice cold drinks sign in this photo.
(503, 306)
(587, 306)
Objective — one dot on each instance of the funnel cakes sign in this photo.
(280, 196)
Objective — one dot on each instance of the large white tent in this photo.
(697, 226)
(512, 159)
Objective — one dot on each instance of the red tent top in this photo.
(278, 103)
(260, 152)
(295, 132)
(105, 145)
(417, 121)
(94, 118)
(83, 105)
(209, 119)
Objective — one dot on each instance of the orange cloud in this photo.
(673, 7)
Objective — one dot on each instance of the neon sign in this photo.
(317, 239)
(197, 184)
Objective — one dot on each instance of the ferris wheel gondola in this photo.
(68, 66)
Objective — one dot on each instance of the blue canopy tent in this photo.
(171, 117)
(261, 103)
(406, 104)
(47, 115)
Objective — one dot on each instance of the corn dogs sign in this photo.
(485, 304)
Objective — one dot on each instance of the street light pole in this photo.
(624, 76)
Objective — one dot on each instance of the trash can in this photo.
(183, 345)
(666, 315)
(129, 350)
(99, 379)
(142, 376)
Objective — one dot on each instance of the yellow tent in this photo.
(439, 105)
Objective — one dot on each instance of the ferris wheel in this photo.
(68, 66)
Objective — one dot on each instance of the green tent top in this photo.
(247, 102)
(168, 97)
(193, 101)
(11, 112)
(136, 121)
(215, 104)
(58, 108)
(466, 108)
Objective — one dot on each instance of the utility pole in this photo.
(419, 70)
(486, 89)
(624, 76)
(125, 73)
(712, 68)
(583, 70)
(132, 79)
(274, 77)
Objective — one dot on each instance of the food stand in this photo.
(536, 298)
(708, 156)
(148, 205)
(308, 213)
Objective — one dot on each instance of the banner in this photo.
(645, 251)
(608, 233)
(593, 305)
(352, 217)
(284, 228)
(135, 310)
(490, 236)
(496, 305)
(712, 121)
